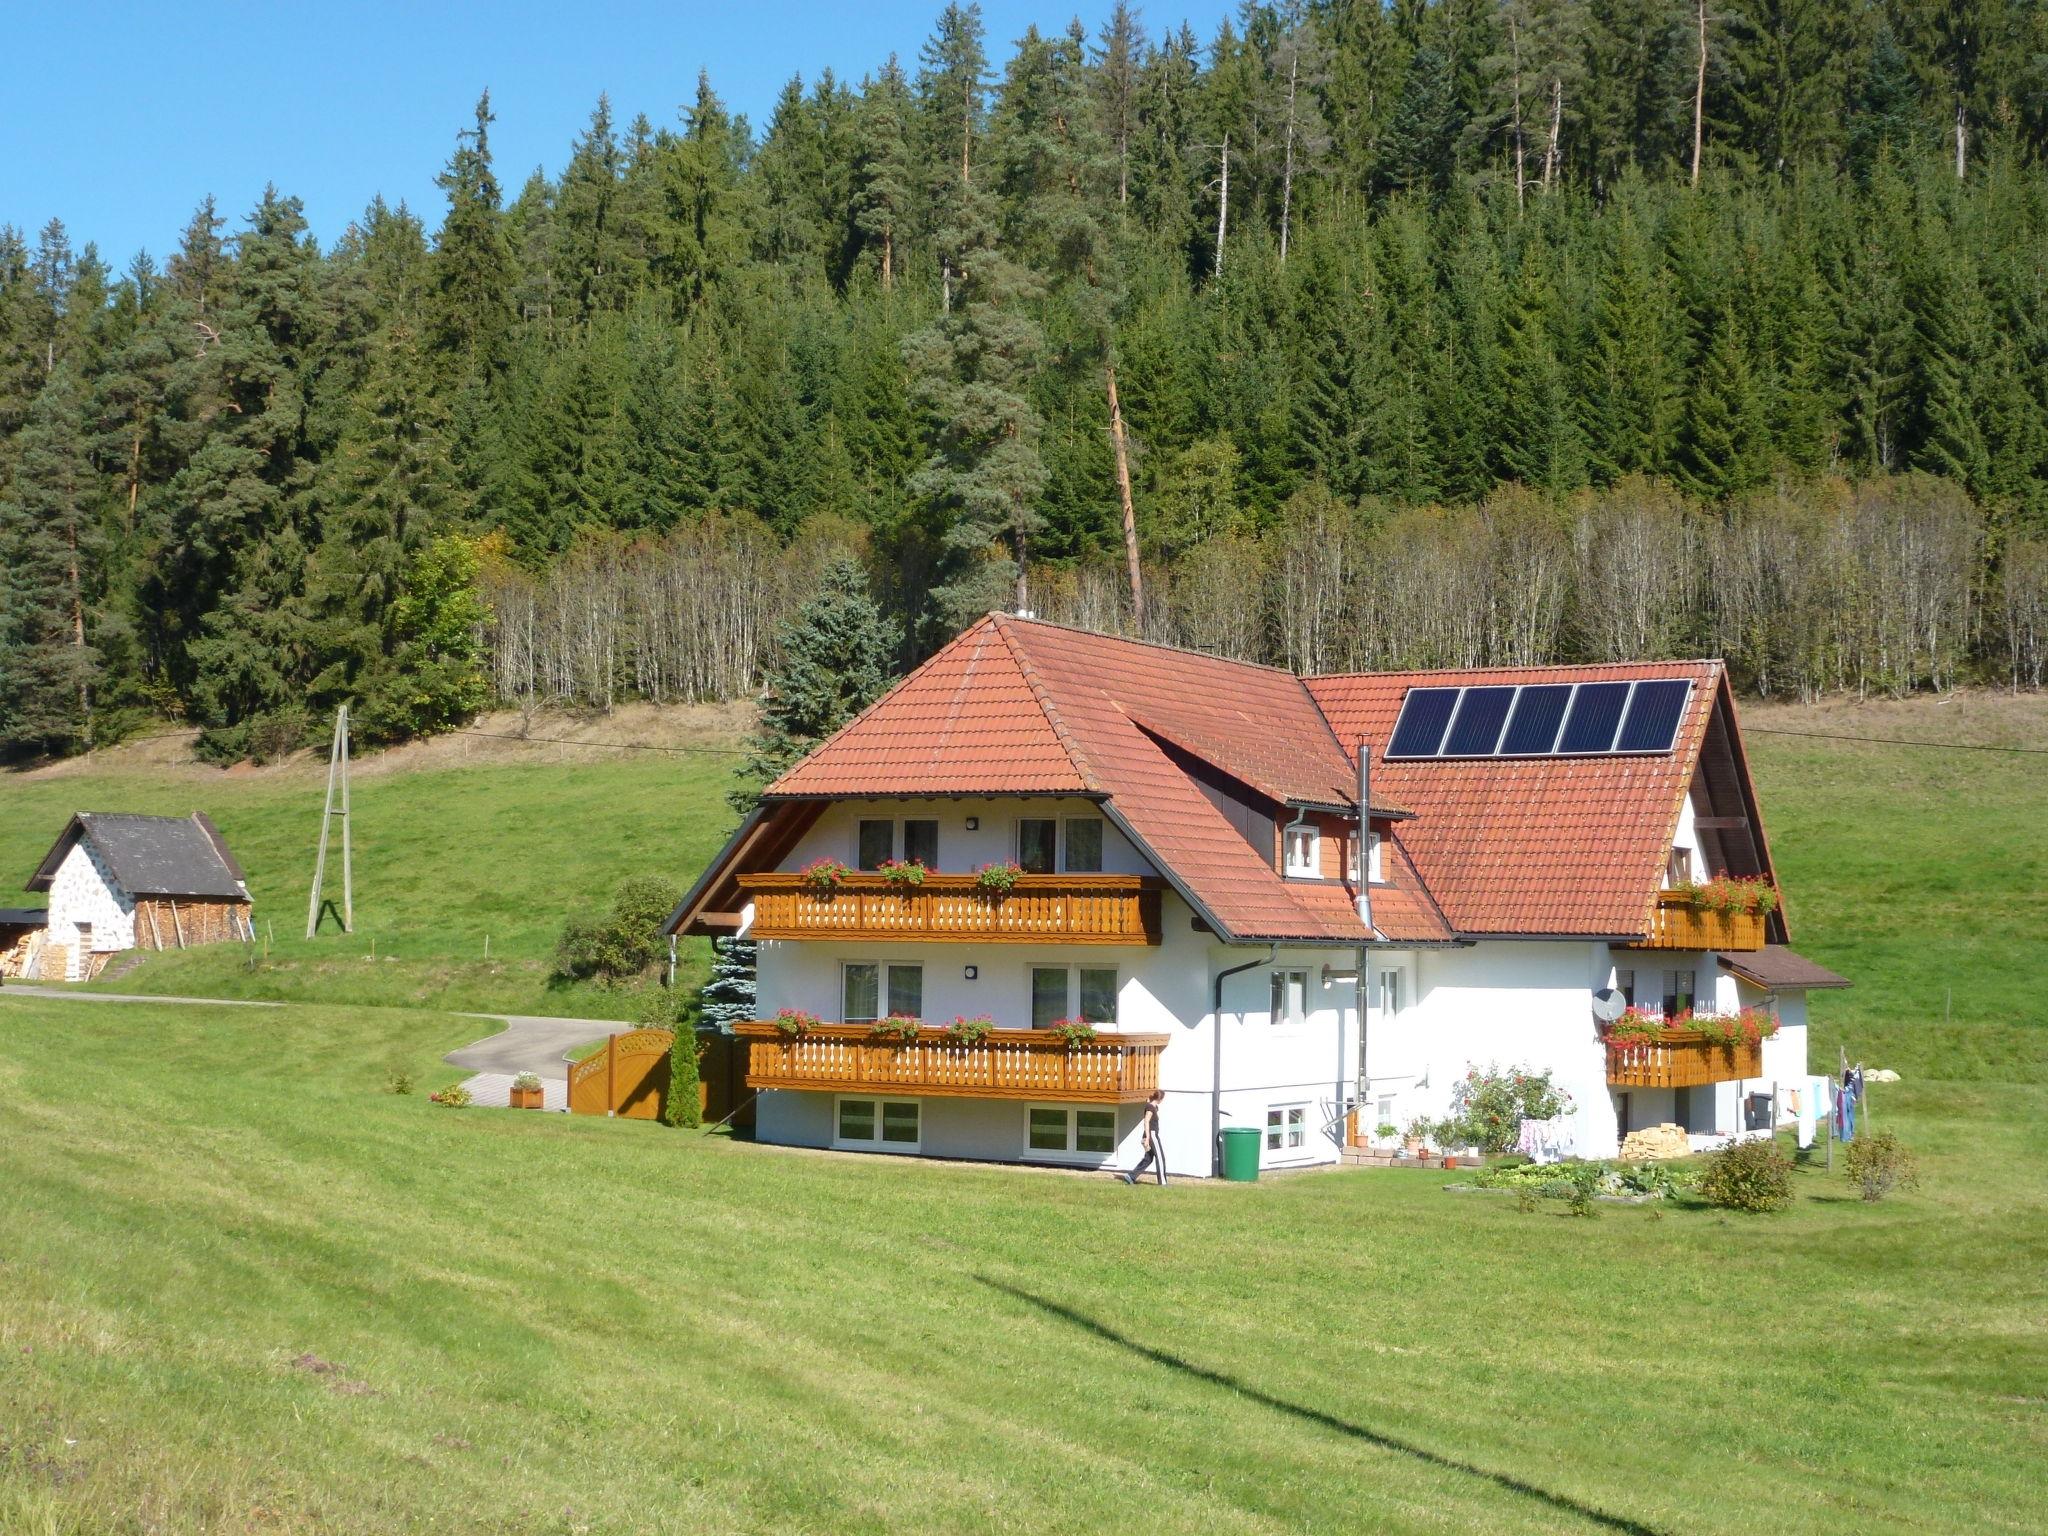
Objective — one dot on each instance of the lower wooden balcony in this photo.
(1008, 1064)
(1682, 1059)
(1038, 909)
(1677, 924)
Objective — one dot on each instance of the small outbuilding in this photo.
(120, 882)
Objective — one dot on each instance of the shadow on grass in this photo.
(1317, 1416)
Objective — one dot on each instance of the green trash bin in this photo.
(1240, 1154)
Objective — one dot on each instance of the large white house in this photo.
(1187, 835)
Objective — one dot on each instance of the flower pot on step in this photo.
(529, 1098)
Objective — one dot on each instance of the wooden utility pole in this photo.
(1123, 491)
(337, 778)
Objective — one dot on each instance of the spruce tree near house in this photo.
(837, 654)
(728, 993)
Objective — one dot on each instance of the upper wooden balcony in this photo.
(1006, 1064)
(1682, 1059)
(1038, 909)
(1678, 924)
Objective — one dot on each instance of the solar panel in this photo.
(1532, 728)
(1540, 719)
(1595, 715)
(1654, 711)
(1476, 730)
(1424, 714)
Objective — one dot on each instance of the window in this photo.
(1083, 992)
(877, 842)
(1304, 851)
(865, 986)
(1678, 867)
(1390, 993)
(921, 843)
(1084, 845)
(1287, 1128)
(1070, 1131)
(1290, 997)
(1048, 995)
(1037, 841)
(888, 1124)
(1372, 858)
(1625, 984)
(1677, 992)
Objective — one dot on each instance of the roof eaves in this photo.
(1173, 877)
(685, 908)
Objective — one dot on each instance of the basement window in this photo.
(1287, 1128)
(881, 1125)
(1304, 852)
(1070, 1131)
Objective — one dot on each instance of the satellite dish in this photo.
(1609, 1005)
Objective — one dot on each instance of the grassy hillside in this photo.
(458, 843)
(540, 1324)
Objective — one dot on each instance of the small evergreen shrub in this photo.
(1881, 1163)
(1748, 1176)
(398, 1081)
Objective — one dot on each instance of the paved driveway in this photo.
(530, 1043)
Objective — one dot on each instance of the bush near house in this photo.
(625, 942)
(1881, 1163)
(1489, 1104)
(1748, 1176)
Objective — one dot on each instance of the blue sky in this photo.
(118, 118)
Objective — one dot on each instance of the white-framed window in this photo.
(878, 839)
(1086, 992)
(1302, 852)
(1372, 859)
(877, 1125)
(870, 990)
(1678, 867)
(1625, 984)
(1286, 1128)
(1678, 992)
(1069, 1130)
(1046, 844)
(1392, 992)
(1289, 997)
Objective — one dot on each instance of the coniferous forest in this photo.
(1357, 335)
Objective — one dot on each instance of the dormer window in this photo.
(1303, 852)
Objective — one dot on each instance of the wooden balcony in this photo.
(1677, 924)
(1682, 1059)
(1009, 1064)
(1038, 909)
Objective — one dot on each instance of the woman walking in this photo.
(1155, 1149)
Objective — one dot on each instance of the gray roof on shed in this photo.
(152, 855)
(23, 917)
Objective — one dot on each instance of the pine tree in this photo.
(473, 271)
(727, 996)
(835, 656)
(1539, 443)
(1419, 149)
(883, 173)
(48, 665)
(1727, 448)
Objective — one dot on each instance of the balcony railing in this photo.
(1062, 909)
(1682, 1059)
(1677, 924)
(1007, 1064)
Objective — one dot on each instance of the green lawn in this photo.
(546, 1324)
(447, 859)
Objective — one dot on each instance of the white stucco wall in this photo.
(85, 892)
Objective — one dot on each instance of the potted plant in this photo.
(998, 878)
(822, 877)
(1416, 1136)
(897, 1029)
(901, 874)
(794, 1023)
(527, 1092)
(966, 1031)
(1387, 1134)
(1073, 1032)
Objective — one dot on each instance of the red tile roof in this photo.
(1558, 846)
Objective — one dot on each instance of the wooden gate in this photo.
(628, 1078)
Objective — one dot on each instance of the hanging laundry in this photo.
(1845, 1107)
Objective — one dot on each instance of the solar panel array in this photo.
(1541, 719)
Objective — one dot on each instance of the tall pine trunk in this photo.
(1699, 96)
(1287, 176)
(1123, 491)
